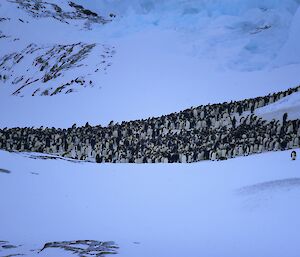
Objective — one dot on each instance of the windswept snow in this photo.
(241, 207)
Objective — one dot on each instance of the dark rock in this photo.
(7, 172)
(86, 248)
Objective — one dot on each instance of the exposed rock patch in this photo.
(84, 247)
(43, 9)
(48, 68)
(3, 36)
(260, 29)
(81, 248)
(7, 172)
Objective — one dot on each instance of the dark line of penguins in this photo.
(207, 132)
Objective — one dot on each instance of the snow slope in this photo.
(39, 55)
(241, 207)
(167, 56)
(289, 104)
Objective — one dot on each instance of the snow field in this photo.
(240, 207)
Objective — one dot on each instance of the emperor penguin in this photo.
(293, 155)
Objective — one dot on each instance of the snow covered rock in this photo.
(70, 11)
(54, 69)
(86, 248)
(35, 60)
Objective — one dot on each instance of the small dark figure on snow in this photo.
(98, 159)
(240, 110)
(234, 122)
(293, 155)
(284, 118)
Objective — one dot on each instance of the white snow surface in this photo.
(247, 206)
(290, 52)
(169, 55)
(289, 105)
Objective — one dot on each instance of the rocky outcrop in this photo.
(84, 247)
(47, 67)
(43, 9)
(81, 248)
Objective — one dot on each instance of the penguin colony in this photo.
(210, 132)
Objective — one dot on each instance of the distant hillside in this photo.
(47, 69)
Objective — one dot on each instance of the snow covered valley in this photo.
(65, 62)
(240, 207)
